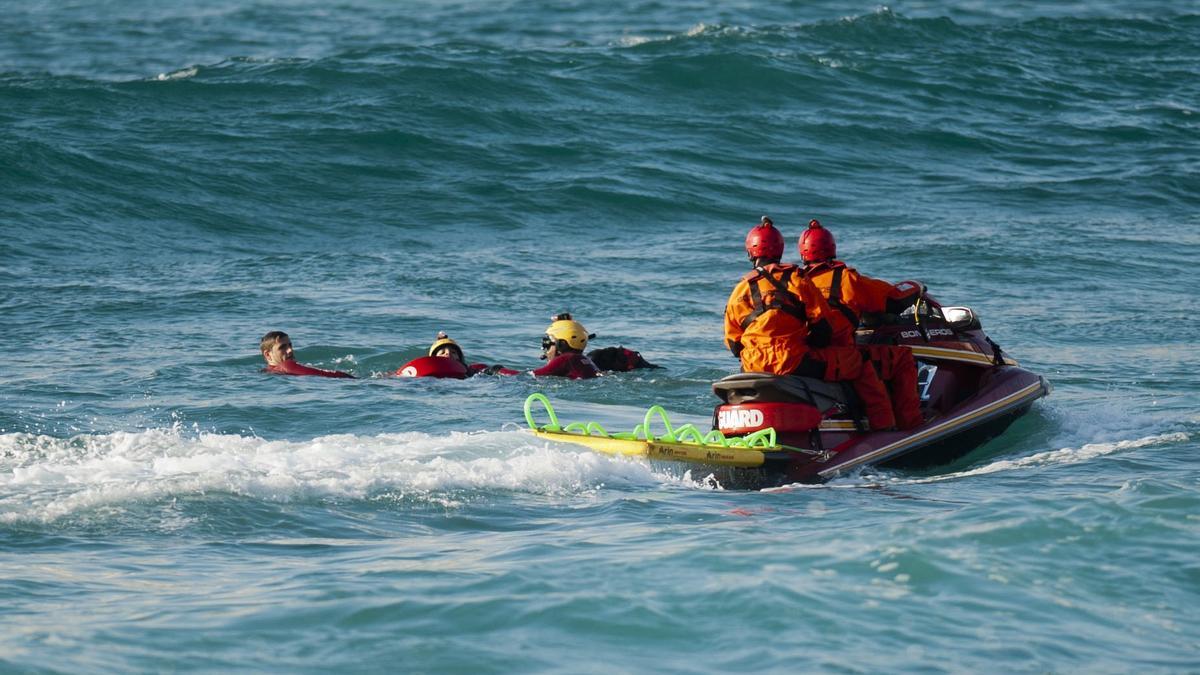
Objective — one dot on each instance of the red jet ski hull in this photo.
(947, 437)
(971, 391)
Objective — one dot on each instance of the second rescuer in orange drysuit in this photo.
(777, 322)
(852, 294)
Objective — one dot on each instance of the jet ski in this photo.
(770, 430)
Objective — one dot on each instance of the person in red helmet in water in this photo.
(854, 294)
(563, 346)
(277, 351)
(444, 347)
(777, 322)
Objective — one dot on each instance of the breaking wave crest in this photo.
(44, 478)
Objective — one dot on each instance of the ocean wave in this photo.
(44, 479)
(181, 74)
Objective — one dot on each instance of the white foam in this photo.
(1064, 456)
(634, 40)
(1050, 458)
(43, 478)
(1101, 420)
(181, 74)
(699, 30)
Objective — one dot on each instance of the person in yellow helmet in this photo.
(563, 346)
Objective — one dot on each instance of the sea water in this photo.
(178, 178)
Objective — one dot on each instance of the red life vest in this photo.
(433, 366)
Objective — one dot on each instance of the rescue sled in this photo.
(771, 430)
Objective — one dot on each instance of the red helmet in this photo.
(764, 241)
(817, 243)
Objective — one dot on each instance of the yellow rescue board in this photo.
(678, 452)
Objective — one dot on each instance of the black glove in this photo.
(810, 367)
(735, 347)
(820, 334)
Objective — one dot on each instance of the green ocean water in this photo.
(178, 179)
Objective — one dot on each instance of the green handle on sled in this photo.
(662, 414)
(586, 429)
(763, 438)
(541, 398)
(688, 433)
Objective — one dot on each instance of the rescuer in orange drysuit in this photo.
(852, 294)
(777, 322)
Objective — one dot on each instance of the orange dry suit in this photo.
(852, 294)
(777, 322)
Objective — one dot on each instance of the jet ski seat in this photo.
(768, 388)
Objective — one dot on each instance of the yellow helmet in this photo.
(567, 330)
(444, 341)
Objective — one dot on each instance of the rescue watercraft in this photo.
(771, 430)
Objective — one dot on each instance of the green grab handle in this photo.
(764, 438)
(658, 410)
(553, 426)
(689, 431)
(715, 437)
(576, 428)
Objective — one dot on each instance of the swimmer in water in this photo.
(277, 351)
(444, 347)
(562, 348)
